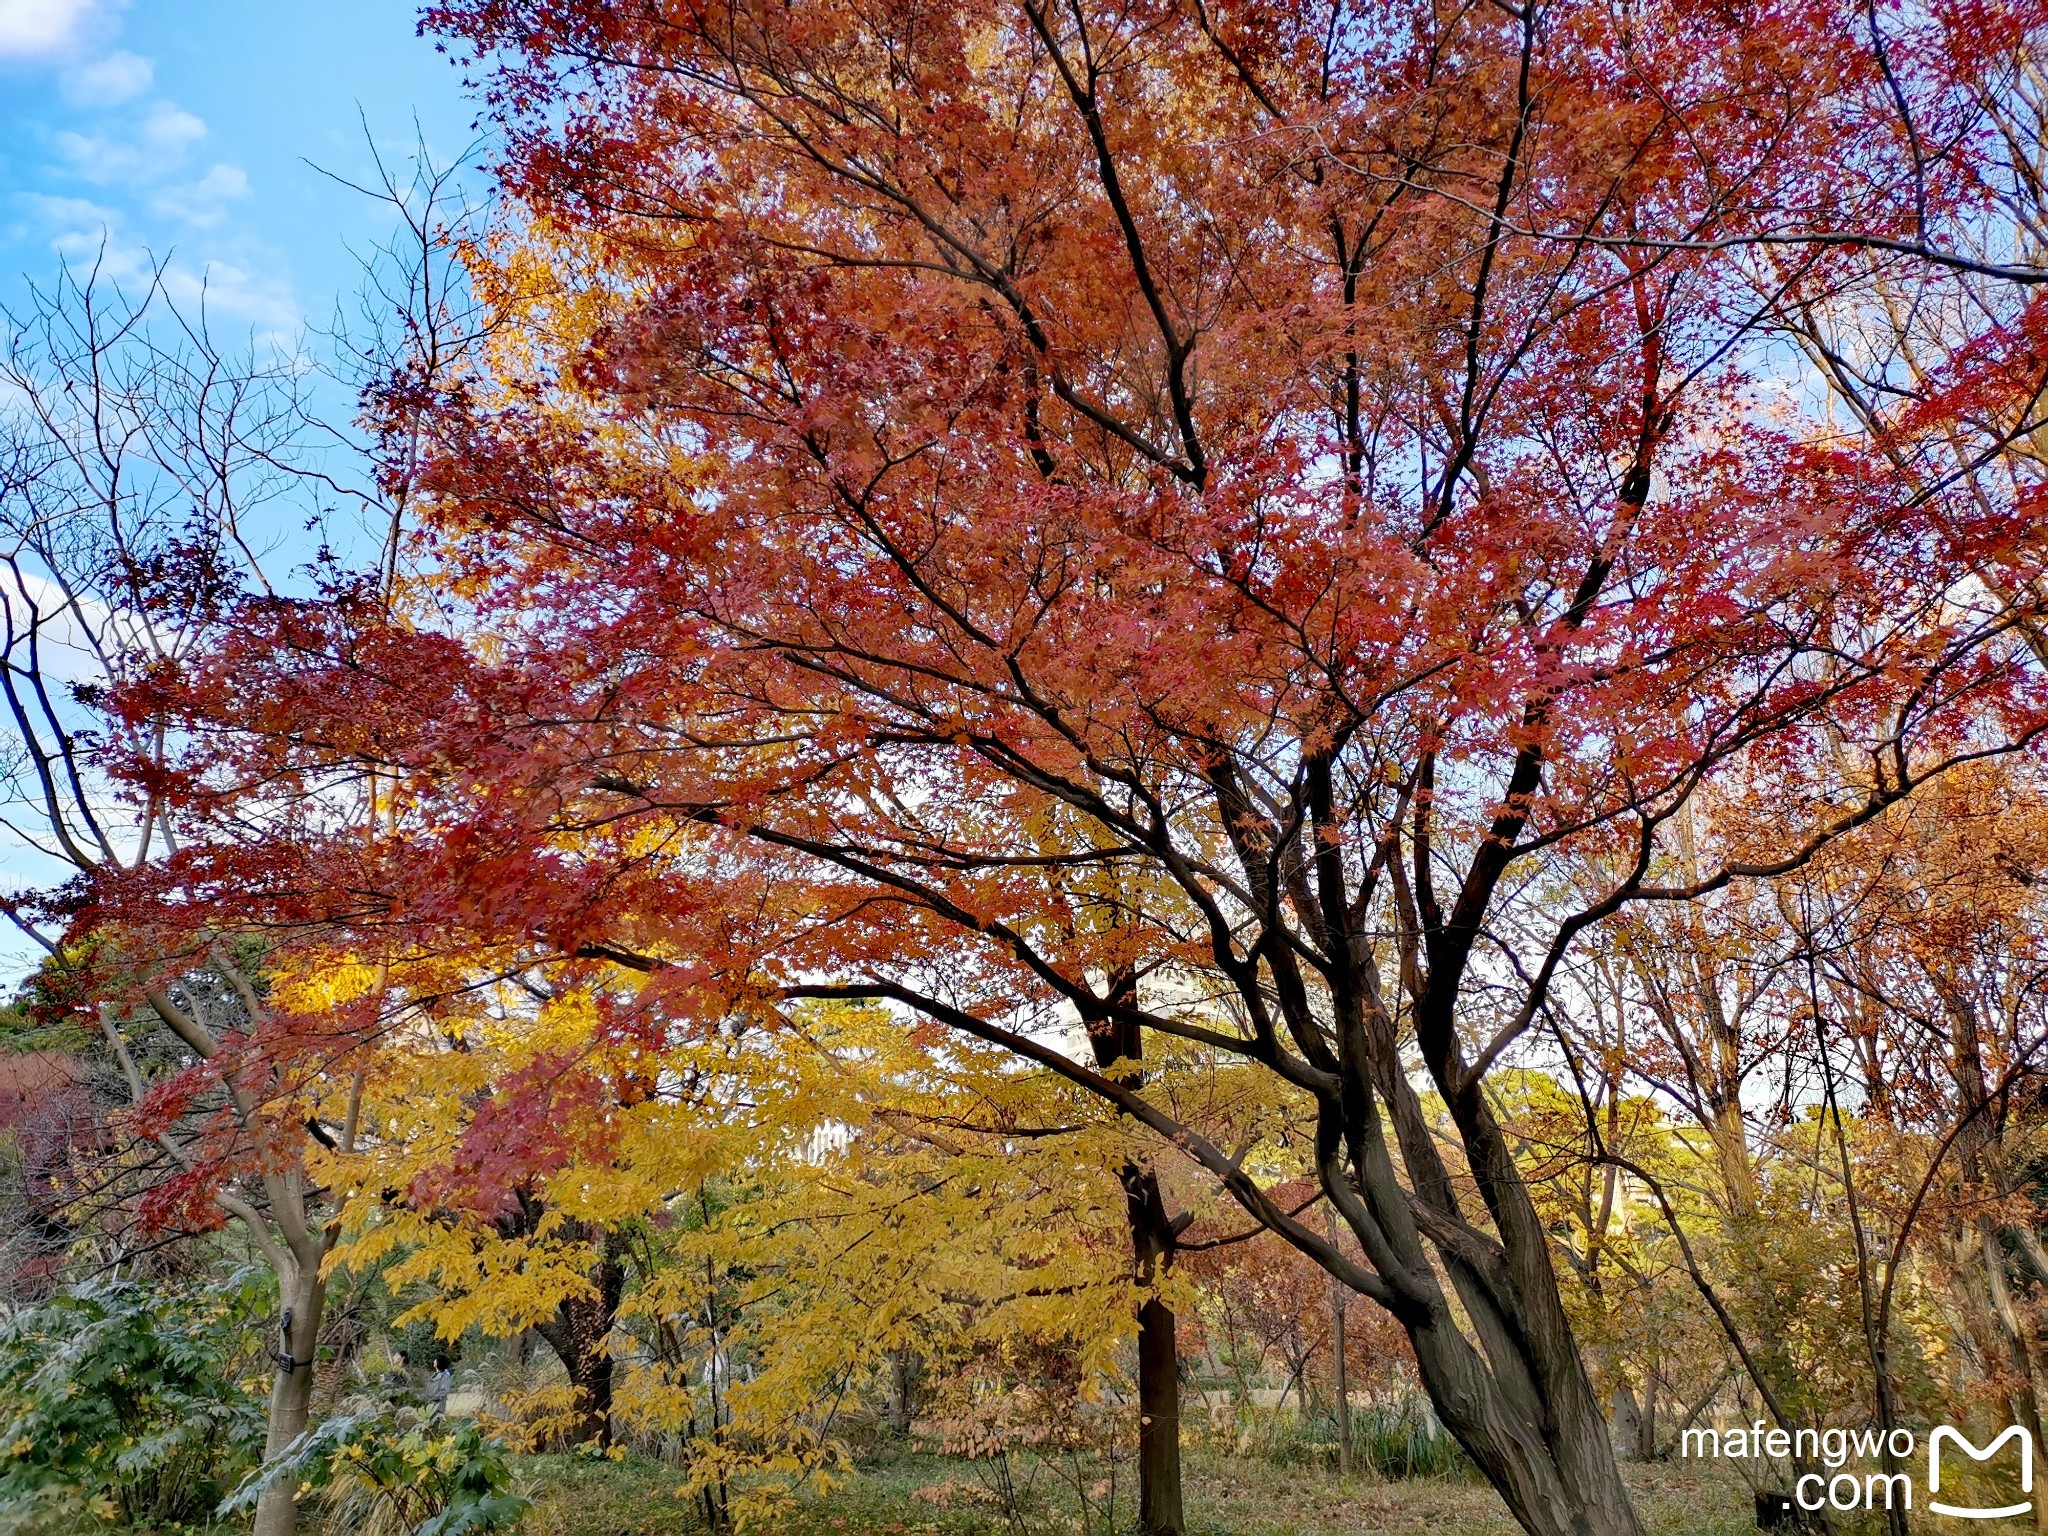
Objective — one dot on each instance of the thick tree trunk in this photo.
(580, 1335)
(1515, 1392)
(291, 1392)
(1557, 1479)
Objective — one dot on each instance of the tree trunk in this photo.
(346, 1335)
(905, 1366)
(1557, 1479)
(1514, 1392)
(1340, 1381)
(1626, 1418)
(1980, 1149)
(1159, 1501)
(1159, 1495)
(1120, 1044)
(580, 1335)
(291, 1392)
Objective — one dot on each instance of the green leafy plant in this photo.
(1390, 1441)
(394, 1472)
(1406, 1439)
(126, 1401)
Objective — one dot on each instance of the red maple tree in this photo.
(1175, 516)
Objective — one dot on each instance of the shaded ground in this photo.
(1226, 1497)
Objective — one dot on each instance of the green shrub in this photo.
(1392, 1441)
(1405, 1440)
(396, 1472)
(121, 1400)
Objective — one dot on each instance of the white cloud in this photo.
(158, 146)
(231, 292)
(89, 236)
(120, 76)
(35, 28)
(67, 212)
(102, 250)
(86, 235)
(129, 188)
(204, 202)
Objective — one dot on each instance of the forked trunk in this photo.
(1557, 1479)
(1501, 1366)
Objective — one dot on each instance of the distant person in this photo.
(399, 1377)
(441, 1384)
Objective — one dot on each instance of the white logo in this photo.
(1943, 1432)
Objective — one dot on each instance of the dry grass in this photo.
(1226, 1496)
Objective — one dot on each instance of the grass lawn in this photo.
(1227, 1496)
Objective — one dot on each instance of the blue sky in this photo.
(182, 128)
(140, 133)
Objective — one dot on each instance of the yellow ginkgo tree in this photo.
(735, 1237)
